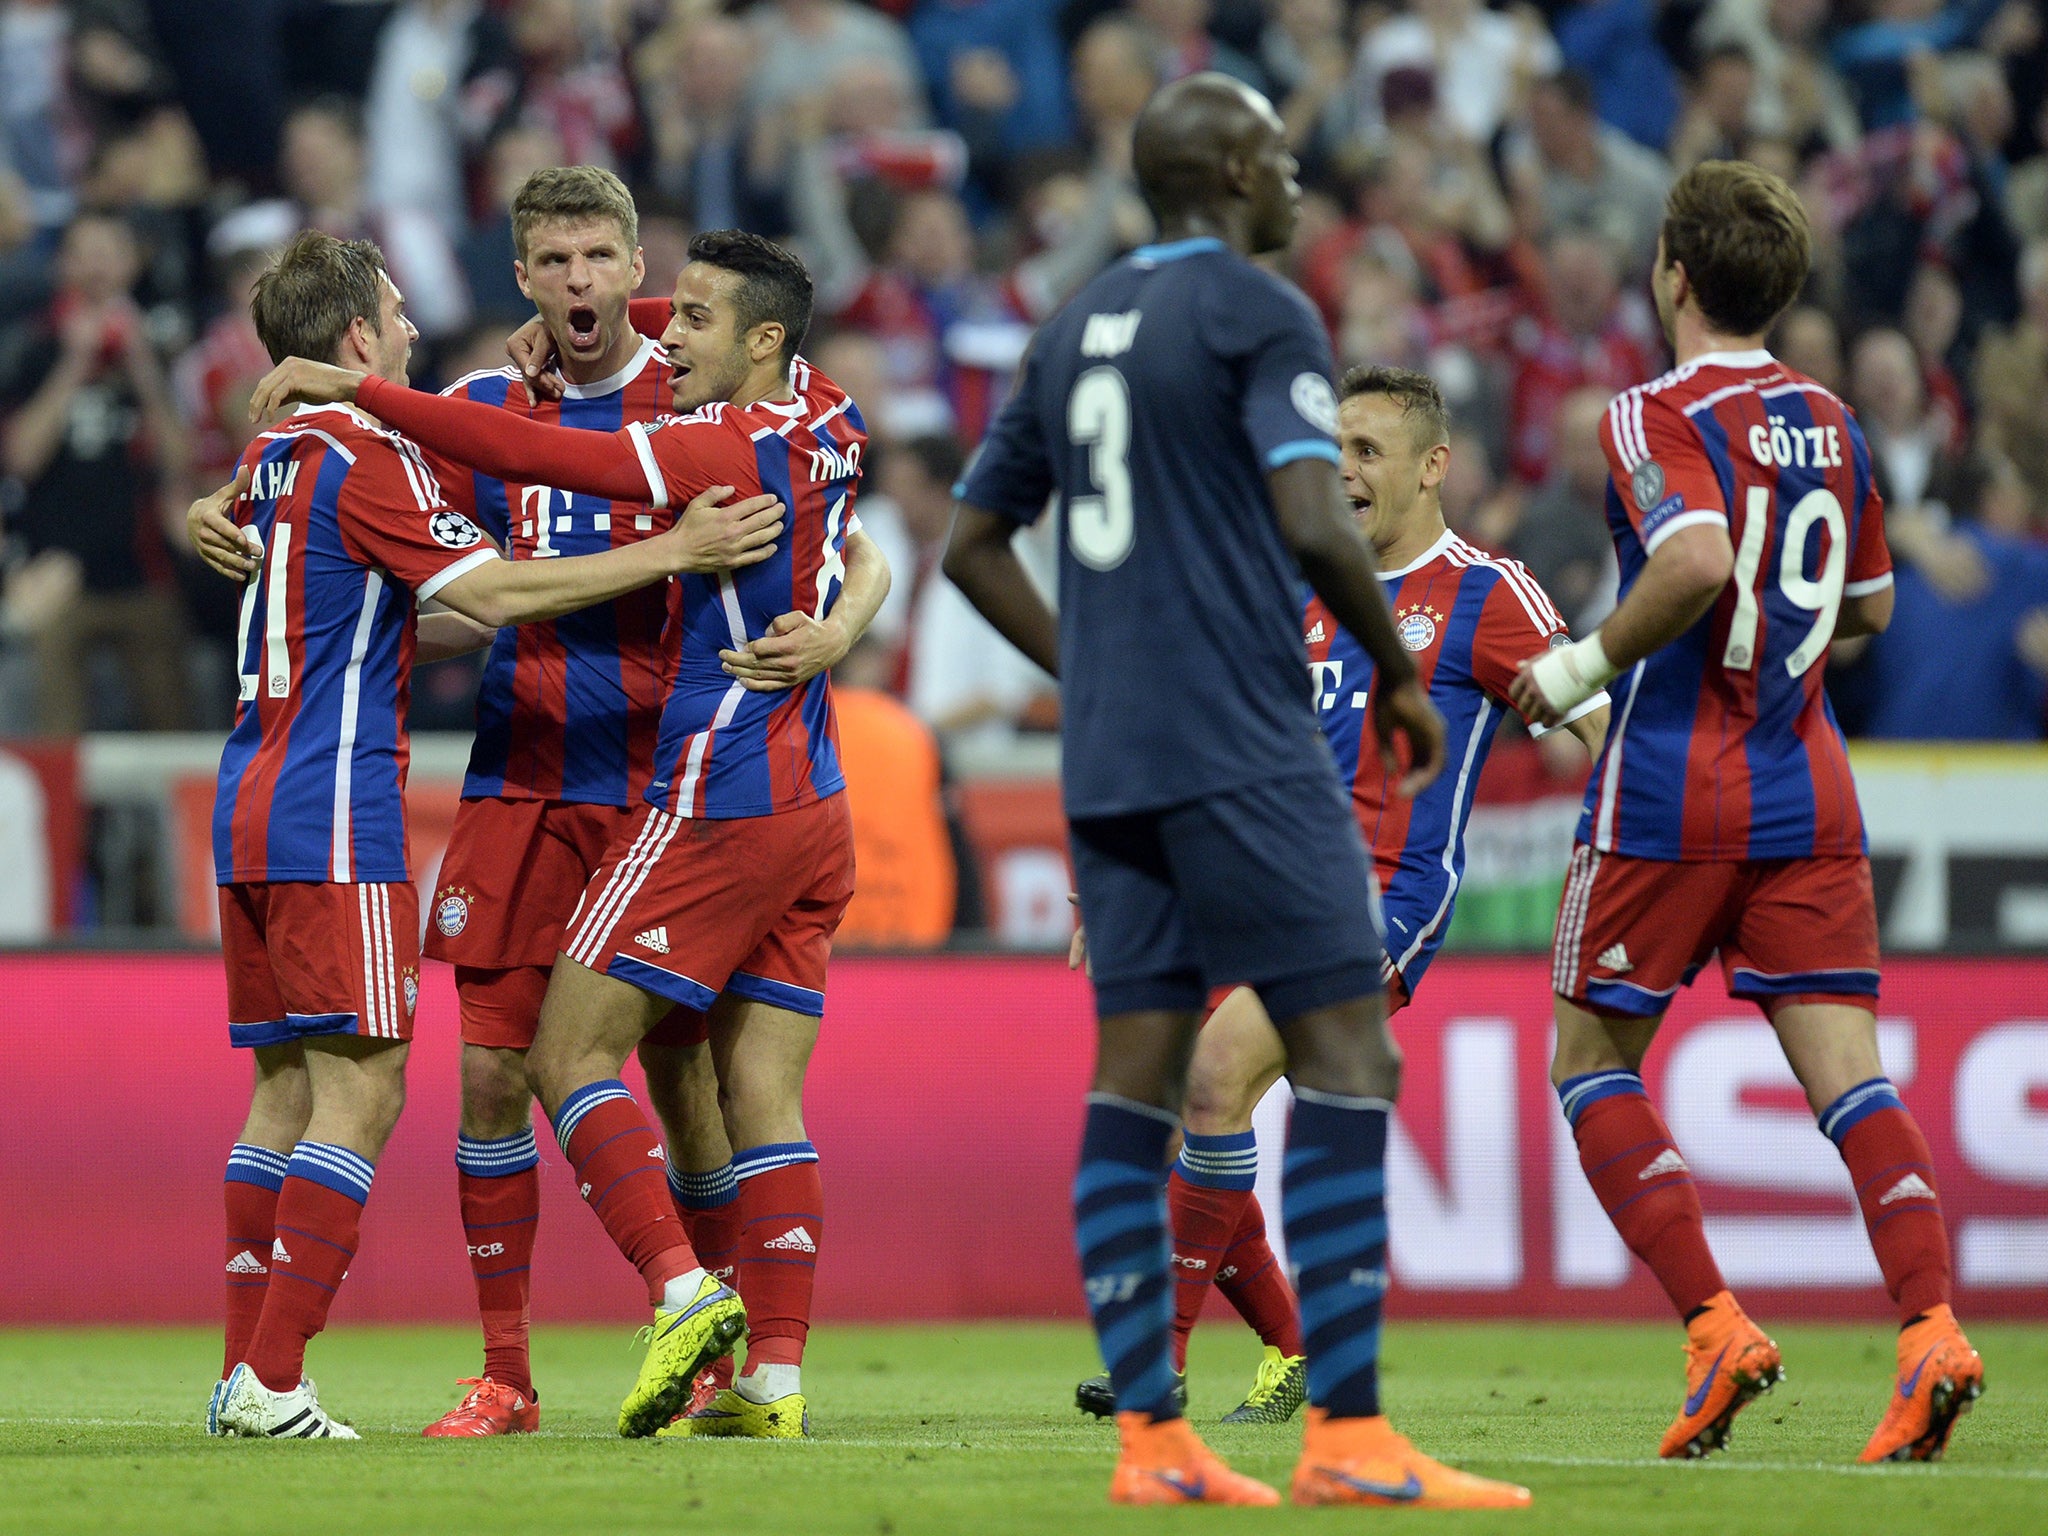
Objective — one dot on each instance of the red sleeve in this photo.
(682, 455)
(1517, 622)
(1870, 555)
(1660, 468)
(650, 317)
(506, 446)
(393, 516)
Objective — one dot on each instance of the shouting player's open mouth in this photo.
(583, 334)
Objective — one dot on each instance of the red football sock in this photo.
(782, 1227)
(715, 1234)
(1203, 1220)
(1648, 1194)
(316, 1238)
(251, 1228)
(1894, 1173)
(622, 1177)
(1251, 1277)
(500, 1215)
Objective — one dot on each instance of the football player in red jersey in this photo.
(348, 530)
(1722, 814)
(1467, 617)
(745, 904)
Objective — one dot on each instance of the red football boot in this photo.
(491, 1408)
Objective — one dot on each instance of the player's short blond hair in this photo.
(1744, 241)
(569, 193)
(1419, 396)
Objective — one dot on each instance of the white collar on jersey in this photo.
(1755, 357)
(1422, 559)
(308, 408)
(597, 389)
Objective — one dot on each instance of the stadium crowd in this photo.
(1486, 187)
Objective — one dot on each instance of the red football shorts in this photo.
(513, 872)
(687, 908)
(1631, 932)
(319, 959)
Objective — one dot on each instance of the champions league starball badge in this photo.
(1647, 483)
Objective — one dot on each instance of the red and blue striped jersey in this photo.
(1468, 618)
(355, 529)
(723, 751)
(1723, 745)
(569, 709)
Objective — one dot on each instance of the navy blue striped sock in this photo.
(1120, 1224)
(1333, 1204)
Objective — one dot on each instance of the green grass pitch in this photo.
(970, 1429)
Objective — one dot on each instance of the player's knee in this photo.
(495, 1095)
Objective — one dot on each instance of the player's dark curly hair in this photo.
(774, 284)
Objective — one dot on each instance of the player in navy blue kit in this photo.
(1180, 408)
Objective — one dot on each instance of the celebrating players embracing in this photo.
(724, 891)
(1467, 618)
(1722, 814)
(1181, 408)
(319, 920)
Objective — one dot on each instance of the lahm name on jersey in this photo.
(1791, 447)
(272, 479)
(1110, 335)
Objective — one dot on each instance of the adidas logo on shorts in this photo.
(655, 939)
(246, 1263)
(1667, 1161)
(1911, 1187)
(1615, 958)
(795, 1240)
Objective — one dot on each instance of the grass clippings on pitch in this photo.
(970, 1429)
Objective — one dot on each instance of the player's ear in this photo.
(765, 340)
(1436, 463)
(639, 269)
(519, 276)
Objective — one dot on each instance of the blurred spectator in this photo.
(1972, 668)
(2026, 189)
(1798, 99)
(24, 279)
(1116, 68)
(1477, 504)
(322, 168)
(43, 144)
(1562, 534)
(564, 76)
(1909, 433)
(1483, 61)
(92, 443)
(1877, 57)
(1581, 174)
(1933, 322)
(1718, 103)
(2012, 383)
(415, 133)
(995, 74)
(1614, 44)
(859, 364)
(487, 251)
(1182, 27)
(963, 679)
(1590, 334)
(1809, 341)
(1305, 57)
(707, 160)
(803, 43)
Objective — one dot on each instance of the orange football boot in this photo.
(1363, 1461)
(1728, 1361)
(1168, 1464)
(492, 1408)
(1940, 1376)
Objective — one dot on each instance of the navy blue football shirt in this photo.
(1155, 404)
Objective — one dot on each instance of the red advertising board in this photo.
(945, 1099)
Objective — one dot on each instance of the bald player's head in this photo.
(1212, 149)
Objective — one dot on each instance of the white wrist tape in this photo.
(1572, 674)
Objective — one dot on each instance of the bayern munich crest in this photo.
(1416, 627)
(451, 913)
(412, 991)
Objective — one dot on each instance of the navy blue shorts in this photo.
(1268, 886)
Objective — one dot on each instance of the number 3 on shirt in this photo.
(1100, 528)
(1822, 597)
